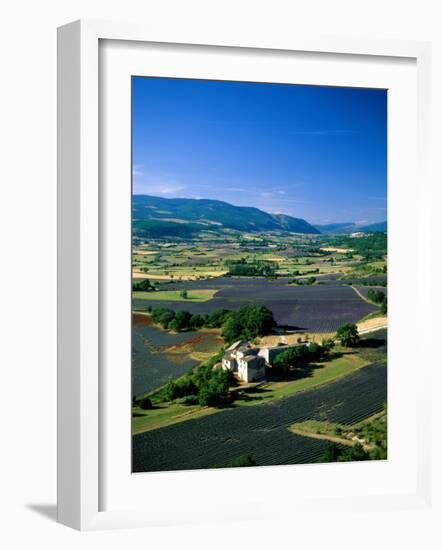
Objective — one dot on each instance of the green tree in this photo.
(144, 286)
(327, 345)
(291, 358)
(183, 293)
(214, 390)
(354, 453)
(171, 391)
(196, 321)
(331, 452)
(217, 318)
(314, 351)
(376, 296)
(166, 318)
(159, 312)
(185, 386)
(337, 453)
(348, 335)
(174, 325)
(183, 319)
(232, 328)
(145, 403)
(247, 323)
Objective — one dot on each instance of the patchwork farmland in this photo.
(310, 293)
(316, 308)
(262, 430)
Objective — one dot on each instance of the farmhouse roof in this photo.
(237, 345)
(249, 358)
(251, 352)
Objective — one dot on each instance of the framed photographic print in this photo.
(258, 338)
(232, 227)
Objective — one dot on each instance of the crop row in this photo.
(261, 430)
(364, 290)
(318, 308)
(151, 364)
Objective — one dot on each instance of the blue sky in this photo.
(314, 152)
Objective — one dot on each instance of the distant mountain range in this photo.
(157, 217)
(345, 228)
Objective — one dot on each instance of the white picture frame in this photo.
(80, 435)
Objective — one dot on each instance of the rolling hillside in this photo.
(345, 228)
(160, 217)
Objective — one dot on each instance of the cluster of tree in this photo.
(317, 251)
(247, 323)
(348, 335)
(373, 283)
(184, 320)
(253, 268)
(301, 282)
(205, 385)
(340, 453)
(297, 273)
(378, 297)
(144, 403)
(372, 246)
(301, 355)
(373, 432)
(144, 285)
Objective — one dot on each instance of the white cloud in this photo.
(235, 189)
(158, 186)
(163, 188)
(137, 170)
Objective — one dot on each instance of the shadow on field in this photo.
(371, 343)
(136, 414)
(256, 393)
(283, 329)
(304, 371)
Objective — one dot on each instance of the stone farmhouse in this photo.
(243, 360)
(249, 363)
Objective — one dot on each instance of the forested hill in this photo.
(158, 217)
(345, 228)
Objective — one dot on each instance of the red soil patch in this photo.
(140, 320)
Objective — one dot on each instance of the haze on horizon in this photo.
(312, 152)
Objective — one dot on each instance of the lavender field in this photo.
(364, 290)
(262, 430)
(317, 308)
(158, 355)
